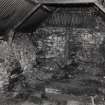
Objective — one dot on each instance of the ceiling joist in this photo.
(65, 1)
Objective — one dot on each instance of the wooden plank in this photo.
(10, 37)
(66, 1)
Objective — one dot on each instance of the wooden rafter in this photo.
(27, 16)
(65, 1)
(100, 7)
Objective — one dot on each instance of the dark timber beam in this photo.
(65, 1)
(27, 16)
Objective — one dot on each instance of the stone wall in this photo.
(72, 30)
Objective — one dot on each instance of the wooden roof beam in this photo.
(102, 8)
(66, 1)
(27, 16)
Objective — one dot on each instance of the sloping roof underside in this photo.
(13, 11)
